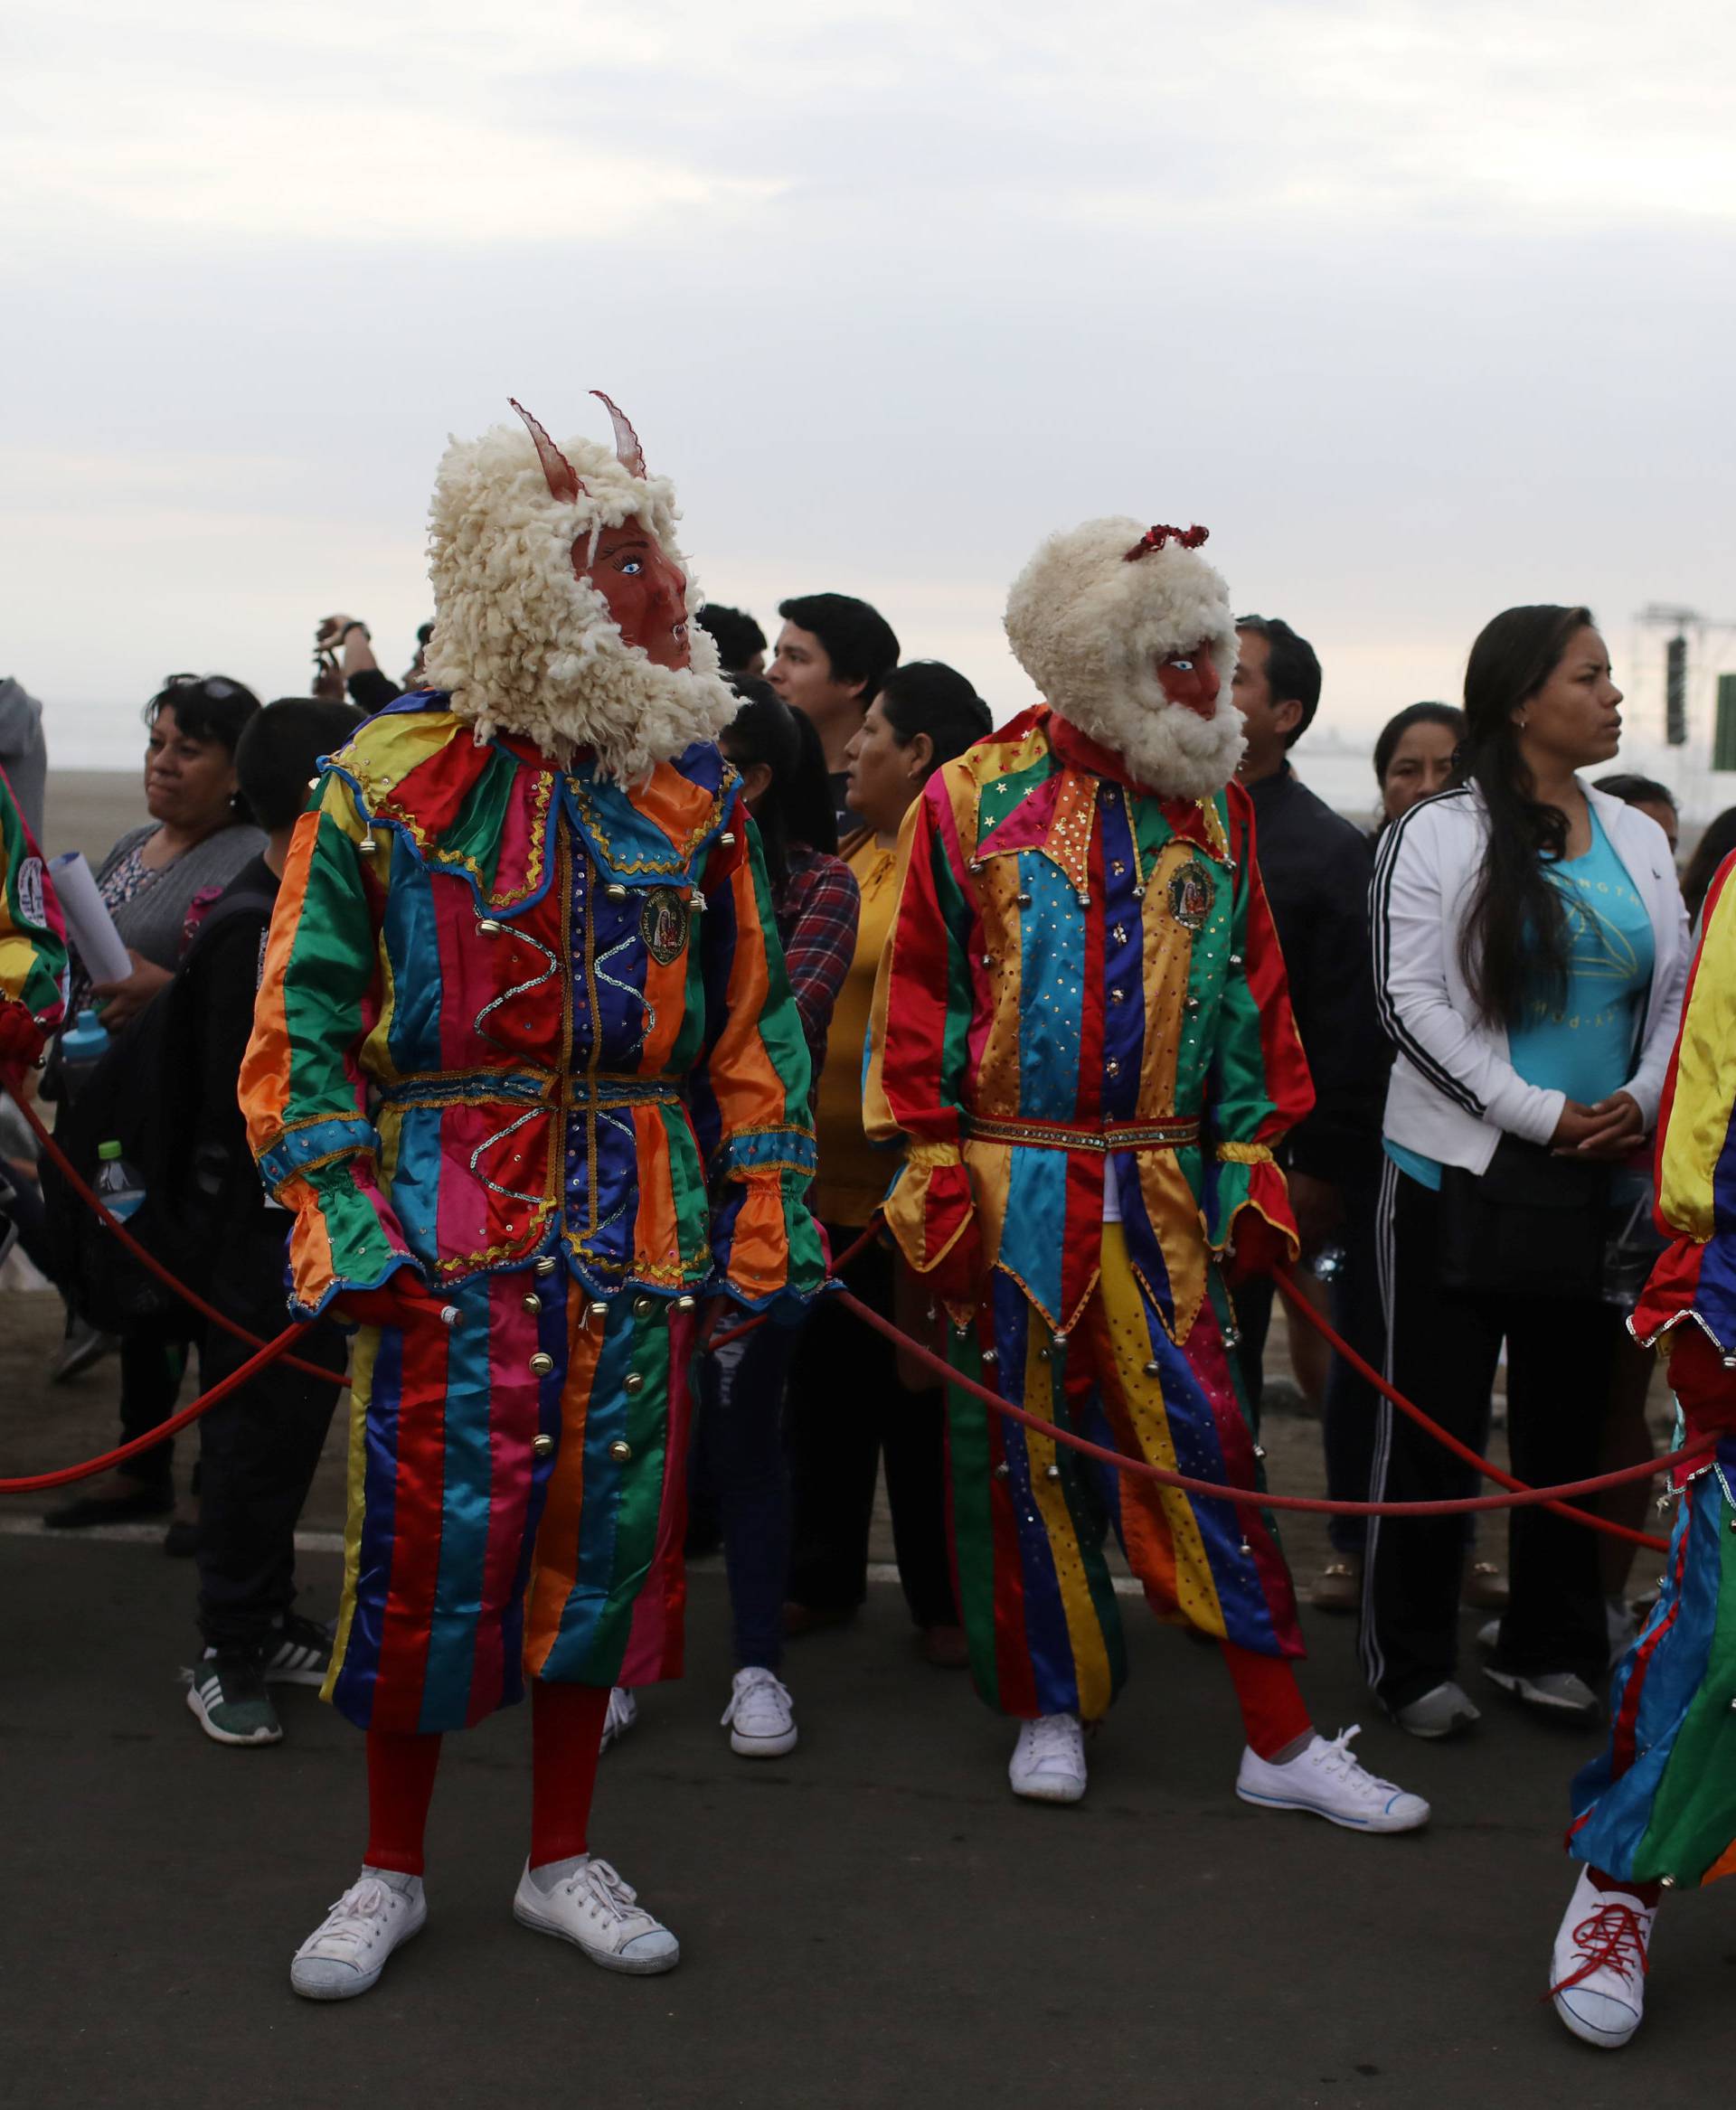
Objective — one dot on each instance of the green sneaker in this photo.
(228, 1694)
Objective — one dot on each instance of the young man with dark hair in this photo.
(833, 653)
(258, 1449)
(740, 642)
(1317, 867)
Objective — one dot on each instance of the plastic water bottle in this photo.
(83, 1045)
(119, 1186)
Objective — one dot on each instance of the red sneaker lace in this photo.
(1605, 1939)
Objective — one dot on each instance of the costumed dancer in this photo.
(1082, 1030)
(527, 1068)
(1656, 1810)
(33, 970)
(32, 945)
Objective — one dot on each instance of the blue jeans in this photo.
(740, 1457)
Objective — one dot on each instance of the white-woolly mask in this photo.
(523, 644)
(1093, 618)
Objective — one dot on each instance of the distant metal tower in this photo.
(1680, 622)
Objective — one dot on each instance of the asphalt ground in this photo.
(873, 1921)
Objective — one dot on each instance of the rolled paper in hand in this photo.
(89, 924)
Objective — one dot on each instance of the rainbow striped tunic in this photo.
(529, 1035)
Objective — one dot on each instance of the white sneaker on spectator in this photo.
(623, 1715)
(1442, 1712)
(585, 1902)
(760, 1717)
(1598, 1972)
(347, 1951)
(1048, 1762)
(1330, 1781)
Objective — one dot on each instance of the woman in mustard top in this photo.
(847, 1402)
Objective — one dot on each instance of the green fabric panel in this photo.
(688, 1181)
(972, 1483)
(999, 796)
(361, 1252)
(329, 970)
(640, 1507)
(807, 1254)
(1693, 1814)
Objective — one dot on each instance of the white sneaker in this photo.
(347, 1951)
(1048, 1762)
(586, 1903)
(623, 1715)
(1598, 1972)
(759, 1717)
(1329, 1780)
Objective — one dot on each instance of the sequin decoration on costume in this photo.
(490, 1143)
(633, 995)
(663, 923)
(551, 967)
(1190, 895)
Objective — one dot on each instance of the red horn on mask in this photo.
(1155, 538)
(562, 478)
(627, 450)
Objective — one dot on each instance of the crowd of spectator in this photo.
(1486, 986)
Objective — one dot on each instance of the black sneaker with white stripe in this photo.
(299, 1652)
(226, 1692)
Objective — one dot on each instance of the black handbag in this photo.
(1532, 1225)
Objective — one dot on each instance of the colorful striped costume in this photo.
(33, 941)
(1084, 989)
(514, 1023)
(1660, 1802)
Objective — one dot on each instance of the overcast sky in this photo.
(1424, 310)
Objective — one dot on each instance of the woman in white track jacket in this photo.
(1530, 953)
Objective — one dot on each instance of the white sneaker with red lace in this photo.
(1048, 1762)
(1598, 1974)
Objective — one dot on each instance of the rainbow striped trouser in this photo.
(1660, 1800)
(505, 1520)
(1028, 1517)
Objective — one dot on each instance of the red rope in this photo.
(1519, 1494)
(1298, 1302)
(1250, 1498)
(35, 1483)
(152, 1265)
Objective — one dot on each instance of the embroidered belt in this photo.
(1171, 1134)
(589, 1088)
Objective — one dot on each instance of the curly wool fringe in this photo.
(1090, 629)
(522, 646)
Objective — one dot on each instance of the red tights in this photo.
(1274, 1713)
(566, 1737)
(1647, 1893)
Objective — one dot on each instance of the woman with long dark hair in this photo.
(1529, 952)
